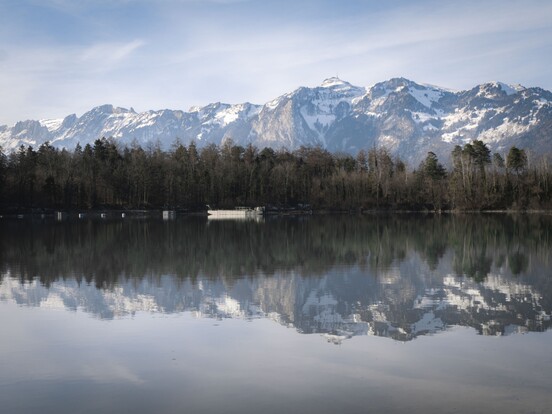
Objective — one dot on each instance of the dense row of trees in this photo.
(104, 175)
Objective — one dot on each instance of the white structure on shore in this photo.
(237, 213)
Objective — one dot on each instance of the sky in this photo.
(59, 57)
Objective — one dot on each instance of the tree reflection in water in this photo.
(399, 276)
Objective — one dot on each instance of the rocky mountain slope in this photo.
(408, 118)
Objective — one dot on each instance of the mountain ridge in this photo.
(408, 118)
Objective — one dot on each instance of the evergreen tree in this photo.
(516, 160)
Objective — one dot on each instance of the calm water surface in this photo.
(302, 315)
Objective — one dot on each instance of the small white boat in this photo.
(237, 213)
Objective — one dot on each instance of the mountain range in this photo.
(408, 118)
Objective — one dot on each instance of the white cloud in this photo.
(188, 52)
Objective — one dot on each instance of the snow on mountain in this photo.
(51, 125)
(209, 124)
(304, 116)
(408, 118)
(491, 89)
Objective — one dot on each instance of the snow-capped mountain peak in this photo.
(339, 85)
(333, 81)
(427, 95)
(408, 118)
(496, 89)
(389, 86)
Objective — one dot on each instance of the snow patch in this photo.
(51, 124)
(427, 97)
(389, 141)
(276, 102)
(509, 89)
(539, 103)
(506, 129)
(421, 117)
(317, 120)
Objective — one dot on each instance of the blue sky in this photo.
(66, 56)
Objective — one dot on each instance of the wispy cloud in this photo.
(178, 53)
(106, 56)
(44, 81)
(44, 63)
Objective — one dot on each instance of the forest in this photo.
(187, 178)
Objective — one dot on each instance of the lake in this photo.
(317, 314)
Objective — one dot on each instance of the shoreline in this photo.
(174, 213)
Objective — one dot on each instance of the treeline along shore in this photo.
(103, 175)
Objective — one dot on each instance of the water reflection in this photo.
(398, 277)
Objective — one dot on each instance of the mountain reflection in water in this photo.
(398, 277)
